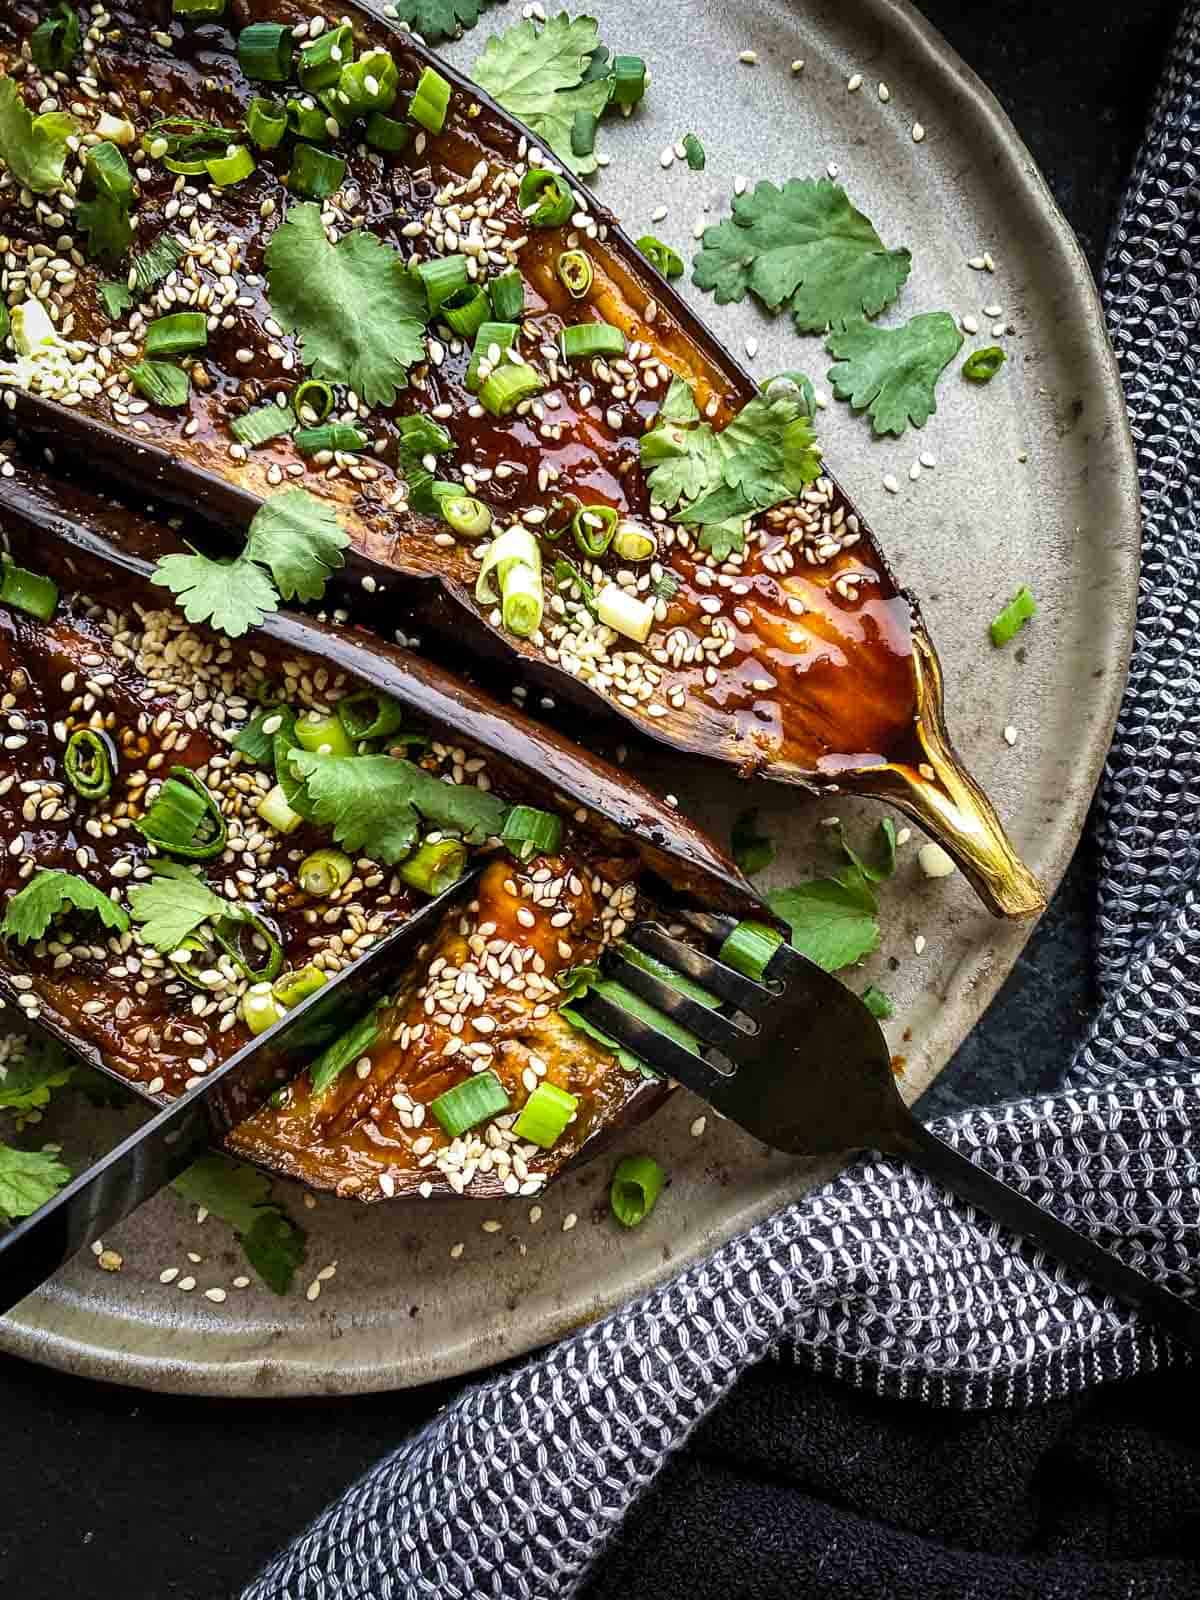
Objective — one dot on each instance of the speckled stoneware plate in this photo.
(1034, 482)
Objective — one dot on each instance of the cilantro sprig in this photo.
(28, 1179)
(834, 921)
(436, 20)
(239, 1195)
(892, 373)
(51, 892)
(174, 903)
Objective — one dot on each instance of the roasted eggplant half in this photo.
(364, 277)
(200, 833)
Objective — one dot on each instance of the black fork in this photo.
(799, 1062)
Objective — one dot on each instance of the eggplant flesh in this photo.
(799, 660)
(116, 657)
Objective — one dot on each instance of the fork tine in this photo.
(710, 973)
(713, 923)
(703, 1021)
(655, 1048)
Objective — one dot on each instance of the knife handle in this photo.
(32, 1250)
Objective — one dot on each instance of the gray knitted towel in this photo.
(514, 1489)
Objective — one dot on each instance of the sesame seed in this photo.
(928, 460)
(752, 347)
(885, 94)
(1010, 734)
(918, 132)
(891, 483)
(698, 1127)
(186, 1285)
(456, 1251)
(217, 1296)
(535, 1214)
(798, 65)
(490, 1226)
(748, 58)
(969, 324)
(569, 1221)
(854, 83)
(919, 944)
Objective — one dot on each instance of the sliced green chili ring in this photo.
(315, 173)
(431, 101)
(290, 988)
(233, 167)
(583, 133)
(749, 948)
(330, 436)
(314, 395)
(545, 198)
(669, 262)
(324, 872)
(442, 277)
(322, 735)
(266, 123)
(467, 517)
(586, 339)
(467, 1104)
(593, 528)
(636, 1186)
(981, 366)
(261, 424)
(545, 1115)
(369, 715)
(507, 385)
(434, 866)
(90, 763)
(259, 1009)
(323, 59)
(265, 51)
(27, 591)
(632, 542)
(507, 294)
(352, 1044)
(466, 310)
(250, 922)
(177, 334)
(575, 272)
(185, 818)
(528, 832)
(386, 134)
(184, 168)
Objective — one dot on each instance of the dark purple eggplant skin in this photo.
(855, 705)
(106, 549)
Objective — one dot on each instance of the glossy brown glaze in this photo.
(800, 660)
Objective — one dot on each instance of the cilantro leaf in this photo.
(174, 904)
(27, 1082)
(28, 1178)
(892, 372)
(833, 920)
(55, 42)
(722, 539)
(351, 304)
(34, 149)
(542, 76)
(241, 1196)
(753, 851)
(884, 866)
(231, 595)
(115, 297)
(300, 539)
(436, 20)
(34, 908)
(679, 404)
(372, 802)
(878, 1003)
(805, 246)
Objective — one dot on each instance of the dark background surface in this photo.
(109, 1492)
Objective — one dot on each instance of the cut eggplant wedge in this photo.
(796, 659)
(89, 646)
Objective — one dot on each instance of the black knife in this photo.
(34, 1249)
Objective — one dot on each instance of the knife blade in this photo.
(33, 1249)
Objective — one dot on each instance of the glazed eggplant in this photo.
(520, 429)
(169, 890)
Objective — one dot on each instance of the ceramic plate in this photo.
(1034, 483)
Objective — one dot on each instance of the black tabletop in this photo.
(106, 1491)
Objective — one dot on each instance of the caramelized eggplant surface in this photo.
(140, 754)
(781, 644)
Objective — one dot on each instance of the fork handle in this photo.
(1014, 1210)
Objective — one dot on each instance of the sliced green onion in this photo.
(466, 310)
(90, 763)
(669, 262)
(545, 198)
(27, 591)
(515, 547)
(323, 735)
(276, 811)
(185, 818)
(369, 715)
(878, 1003)
(466, 516)
(109, 171)
(234, 167)
(198, 10)
(522, 602)
(981, 366)
(315, 173)
(593, 528)
(263, 423)
(625, 612)
(162, 383)
(55, 43)
(352, 1045)
(307, 122)
(158, 262)
(249, 922)
(176, 334)
(442, 277)
(324, 872)
(545, 1115)
(632, 542)
(265, 52)
(335, 107)
(528, 832)
(386, 134)
(292, 987)
(583, 133)
(370, 83)
(420, 435)
(628, 80)
(694, 151)
(575, 272)
(330, 436)
(259, 1008)
(185, 168)
(266, 123)
(469, 1103)
(492, 340)
(431, 101)
(434, 866)
(507, 385)
(1013, 617)
(314, 397)
(507, 294)
(256, 742)
(749, 948)
(585, 339)
(323, 59)
(636, 1186)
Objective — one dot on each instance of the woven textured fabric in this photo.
(880, 1277)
